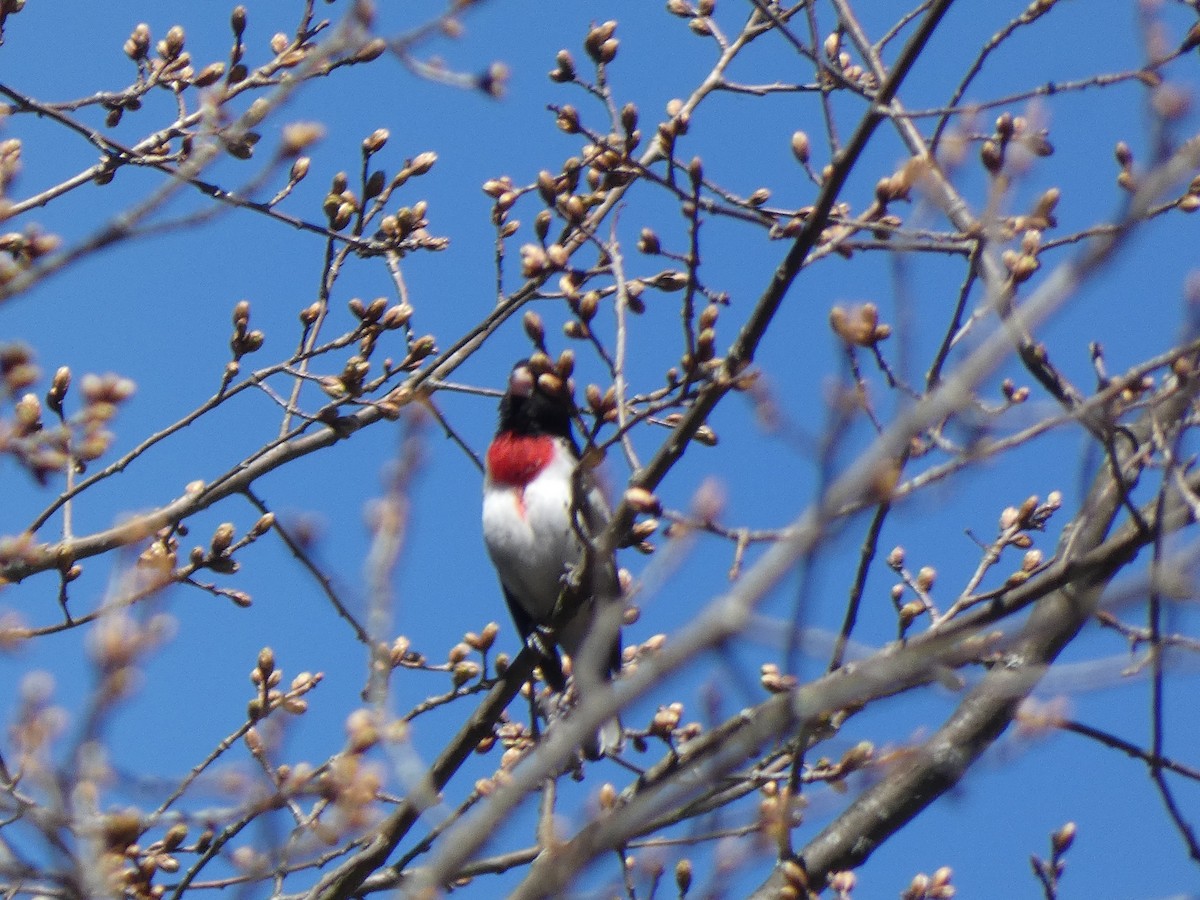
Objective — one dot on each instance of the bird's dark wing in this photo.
(550, 663)
(605, 586)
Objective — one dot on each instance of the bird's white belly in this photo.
(530, 540)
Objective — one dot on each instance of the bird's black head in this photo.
(535, 403)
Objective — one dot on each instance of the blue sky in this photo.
(157, 310)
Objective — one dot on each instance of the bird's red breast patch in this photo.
(516, 459)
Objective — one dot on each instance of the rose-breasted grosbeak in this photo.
(530, 518)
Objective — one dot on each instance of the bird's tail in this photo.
(608, 740)
(610, 737)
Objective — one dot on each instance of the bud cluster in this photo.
(1012, 131)
(930, 887)
(462, 668)
(775, 681)
(1015, 524)
(219, 555)
(75, 440)
(406, 228)
(633, 654)
(21, 251)
(127, 868)
(1050, 871)
(10, 162)
(375, 318)
(843, 71)
(920, 583)
(267, 678)
(401, 654)
(1190, 201)
(244, 341)
(859, 326)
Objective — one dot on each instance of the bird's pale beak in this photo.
(521, 382)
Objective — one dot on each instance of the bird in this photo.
(537, 500)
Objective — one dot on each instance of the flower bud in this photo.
(568, 119)
(222, 538)
(1062, 839)
(925, 578)
(641, 500)
(534, 328)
